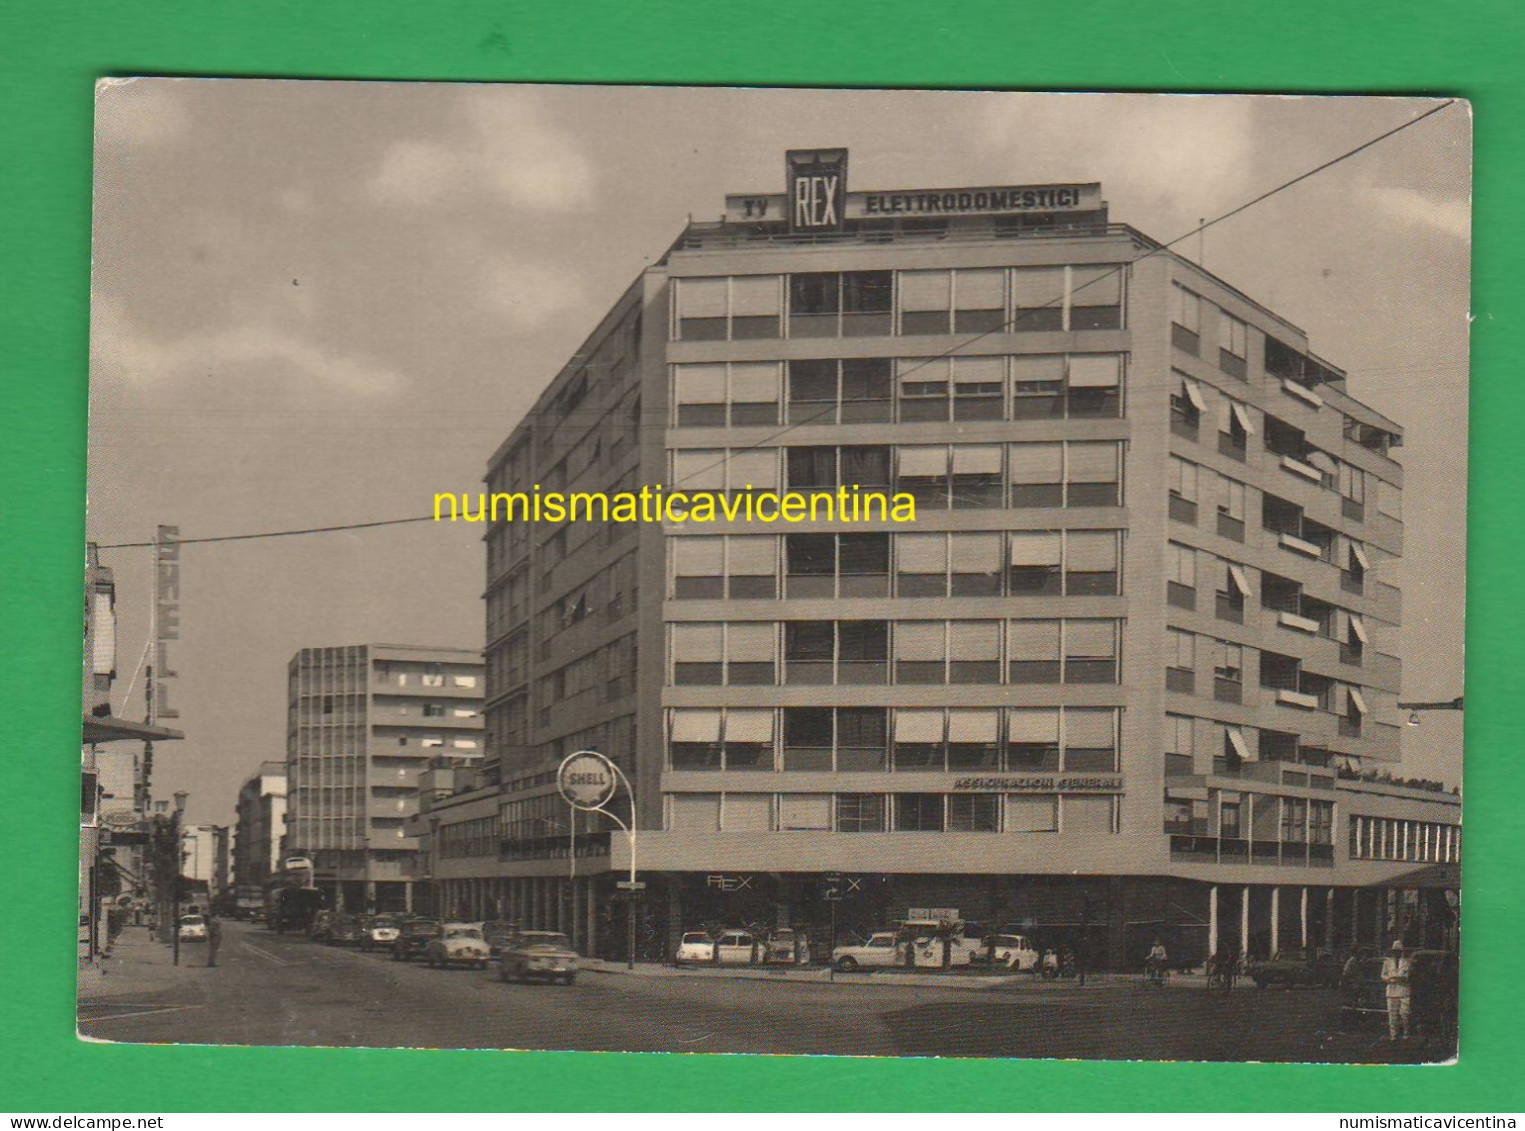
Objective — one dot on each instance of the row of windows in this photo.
(829, 304)
(1253, 817)
(1231, 746)
(393, 674)
(476, 837)
(901, 652)
(911, 739)
(1047, 474)
(1391, 838)
(904, 390)
(891, 812)
(1077, 563)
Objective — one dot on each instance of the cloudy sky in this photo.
(319, 303)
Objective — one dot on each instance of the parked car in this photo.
(695, 946)
(928, 937)
(498, 933)
(461, 943)
(322, 922)
(878, 950)
(787, 946)
(344, 930)
(379, 931)
(737, 948)
(538, 954)
(413, 936)
(192, 928)
(1297, 966)
(1432, 984)
(1015, 952)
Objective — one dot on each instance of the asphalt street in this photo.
(284, 990)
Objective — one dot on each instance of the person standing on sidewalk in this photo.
(214, 939)
(1396, 969)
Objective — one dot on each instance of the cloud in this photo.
(1157, 151)
(508, 151)
(1452, 217)
(120, 351)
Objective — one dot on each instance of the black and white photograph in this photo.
(894, 573)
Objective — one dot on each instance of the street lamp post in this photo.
(589, 781)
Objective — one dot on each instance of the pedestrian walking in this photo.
(1396, 968)
(214, 939)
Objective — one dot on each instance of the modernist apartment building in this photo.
(363, 722)
(259, 828)
(1120, 677)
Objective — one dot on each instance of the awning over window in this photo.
(748, 726)
(973, 725)
(1322, 461)
(1358, 626)
(696, 726)
(1357, 700)
(1035, 548)
(1240, 581)
(1242, 415)
(1360, 553)
(924, 462)
(1032, 726)
(1193, 392)
(918, 726)
(1241, 747)
(1095, 371)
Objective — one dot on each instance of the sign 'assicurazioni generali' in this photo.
(817, 199)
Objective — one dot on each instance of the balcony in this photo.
(1297, 699)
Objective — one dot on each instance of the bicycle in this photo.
(1156, 973)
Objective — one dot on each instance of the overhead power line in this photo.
(788, 428)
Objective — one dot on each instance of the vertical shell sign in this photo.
(586, 780)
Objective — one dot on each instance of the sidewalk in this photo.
(887, 977)
(138, 965)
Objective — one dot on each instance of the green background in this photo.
(56, 52)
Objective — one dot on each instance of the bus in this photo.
(292, 898)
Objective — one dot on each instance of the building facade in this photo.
(1130, 671)
(363, 722)
(258, 831)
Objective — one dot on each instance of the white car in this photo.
(737, 948)
(696, 946)
(1015, 952)
(880, 949)
(193, 928)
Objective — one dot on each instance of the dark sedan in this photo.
(1432, 985)
(345, 931)
(413, 938)
(1298, 966)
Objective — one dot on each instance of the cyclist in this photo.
(1156, 965)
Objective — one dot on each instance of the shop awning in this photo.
(109, 728)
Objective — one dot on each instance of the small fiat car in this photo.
(457, 944)
(538, 954)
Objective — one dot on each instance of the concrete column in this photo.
(1329, 917)
(407, 897)
(559, 888)
(1244, 920)
(1212, 920)
(1355, 916)
(1275, 920)
(1303, 917)
(674, 916)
